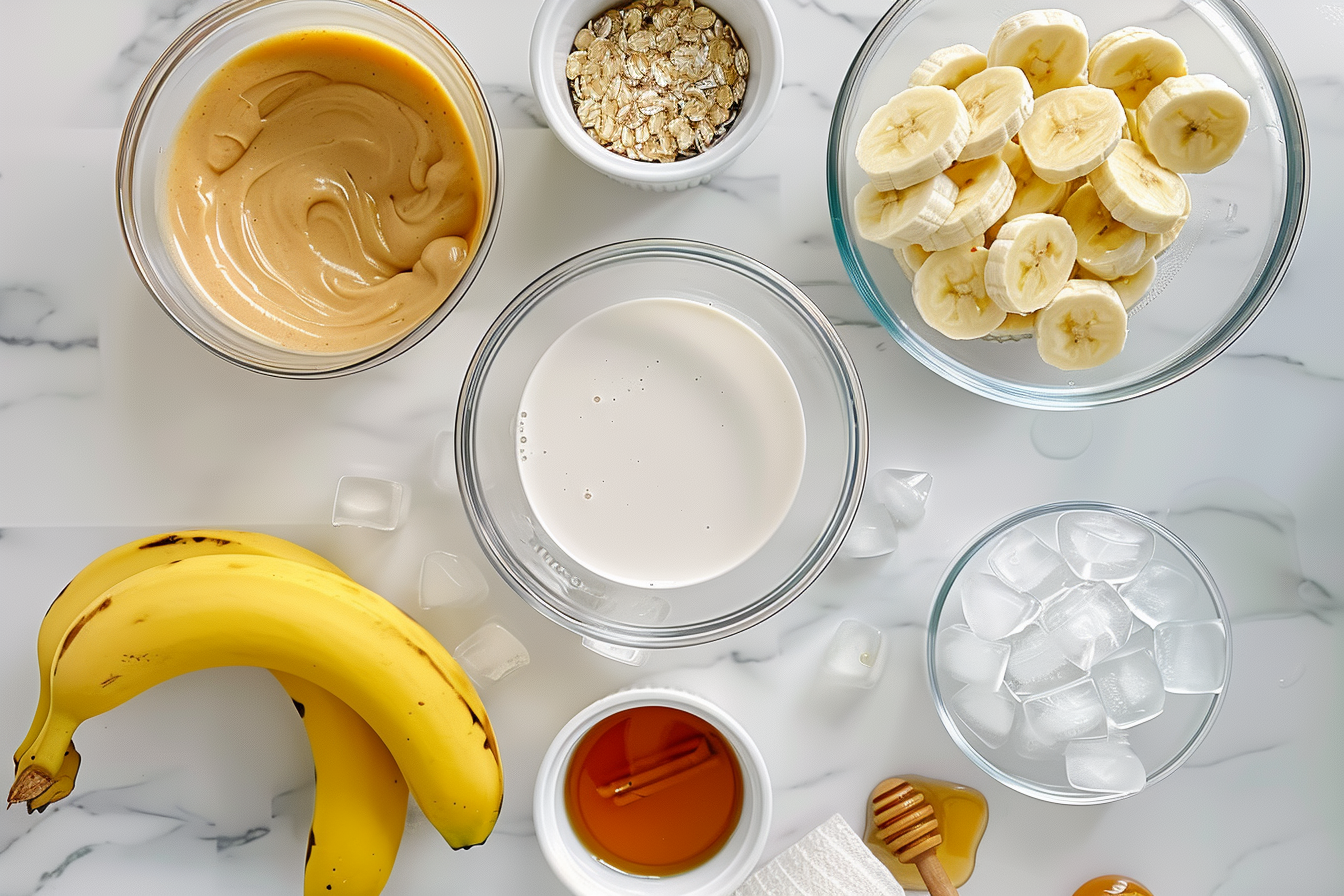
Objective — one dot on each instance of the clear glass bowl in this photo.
(168, 90)
(539, 569)
(1162, 743)
(1244, 224)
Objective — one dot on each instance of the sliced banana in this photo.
(984, 192)
(917, 134)
(1132, 288)
(1015, 324)
(1030, 261)
(1071, 131)
(948, 67)
(1106, 247)
(1131, 131)
(998, 101)
(1084, 326)
(1194, 123)
(898, 217)
(1132, 61)
(949, 293)
(1138, 191)
(910, 258)
(1049, 45)
(1161, 242)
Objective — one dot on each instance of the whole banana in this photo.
(359, 810)
(230, 610)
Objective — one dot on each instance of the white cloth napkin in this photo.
(830, 861)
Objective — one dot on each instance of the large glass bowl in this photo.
(530, 559)
(1245, 220)
(1162, 743)
(168, 91)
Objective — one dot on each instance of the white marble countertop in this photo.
(113, 424)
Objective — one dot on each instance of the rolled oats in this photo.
(657, 80)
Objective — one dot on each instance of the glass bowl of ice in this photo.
(1078, 652)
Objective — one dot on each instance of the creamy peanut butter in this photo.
(323, 192)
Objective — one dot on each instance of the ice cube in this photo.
(1104, 766)
(1130, 687)
(491, 652)
(447, 580)
(1029, 743)
(904, 494)
(1103, 546)
(872, 533)
(987, 714)
(1161, 593)
(1068, 713)
(992, 609)
(368, 503)
(443, 466)
(1030, 565)
(854, 657)
(1192, 656)
(1036, 664)
(962, 656)
(630, 656)
(1088, 623)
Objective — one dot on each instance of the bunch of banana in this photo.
(168, 604)
(1085, 148)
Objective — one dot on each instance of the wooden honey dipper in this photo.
(909, 828)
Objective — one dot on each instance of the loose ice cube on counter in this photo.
(1088, 623)
(904, 494)
(1192, 656)
(1161, 593)
(447, 580)
(1104, 766)
(1069, 713)
(854, 657)
(368, 503)
(992, 609)
(1130, 687)
(1036, 664)
(1101, 546)
(988, 714)
(1024, 562)
(491, 652)
(872, 533)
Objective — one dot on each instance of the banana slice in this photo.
(910, 258)
(984, 192)
(998, 100)
(1030, 261)
(948, 67)
(1132, 61)
(1106, 248)
(1132, 288)
(1071, 131)
(1084, 326)
(1138, 191)
(1049, 45)
(1131, 130)
(1194, 123)
(1015, 324)
(949, 293)
(1161, 242)
(898, 217)
(917, 134)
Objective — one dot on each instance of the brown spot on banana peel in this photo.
(167, 540)
(32, 782)
(79, 625)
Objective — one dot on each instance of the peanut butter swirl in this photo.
(323, 193)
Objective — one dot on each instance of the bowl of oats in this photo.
(656, 94)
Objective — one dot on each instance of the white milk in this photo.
(660, 442)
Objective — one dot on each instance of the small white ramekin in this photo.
(583, 874)
(553, 39)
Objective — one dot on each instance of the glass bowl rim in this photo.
(125, 174)
(1021, 785)
(1297, 185)
(838, 363)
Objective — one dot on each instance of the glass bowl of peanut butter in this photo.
(308, 187)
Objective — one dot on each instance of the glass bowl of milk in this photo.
(660, 443)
